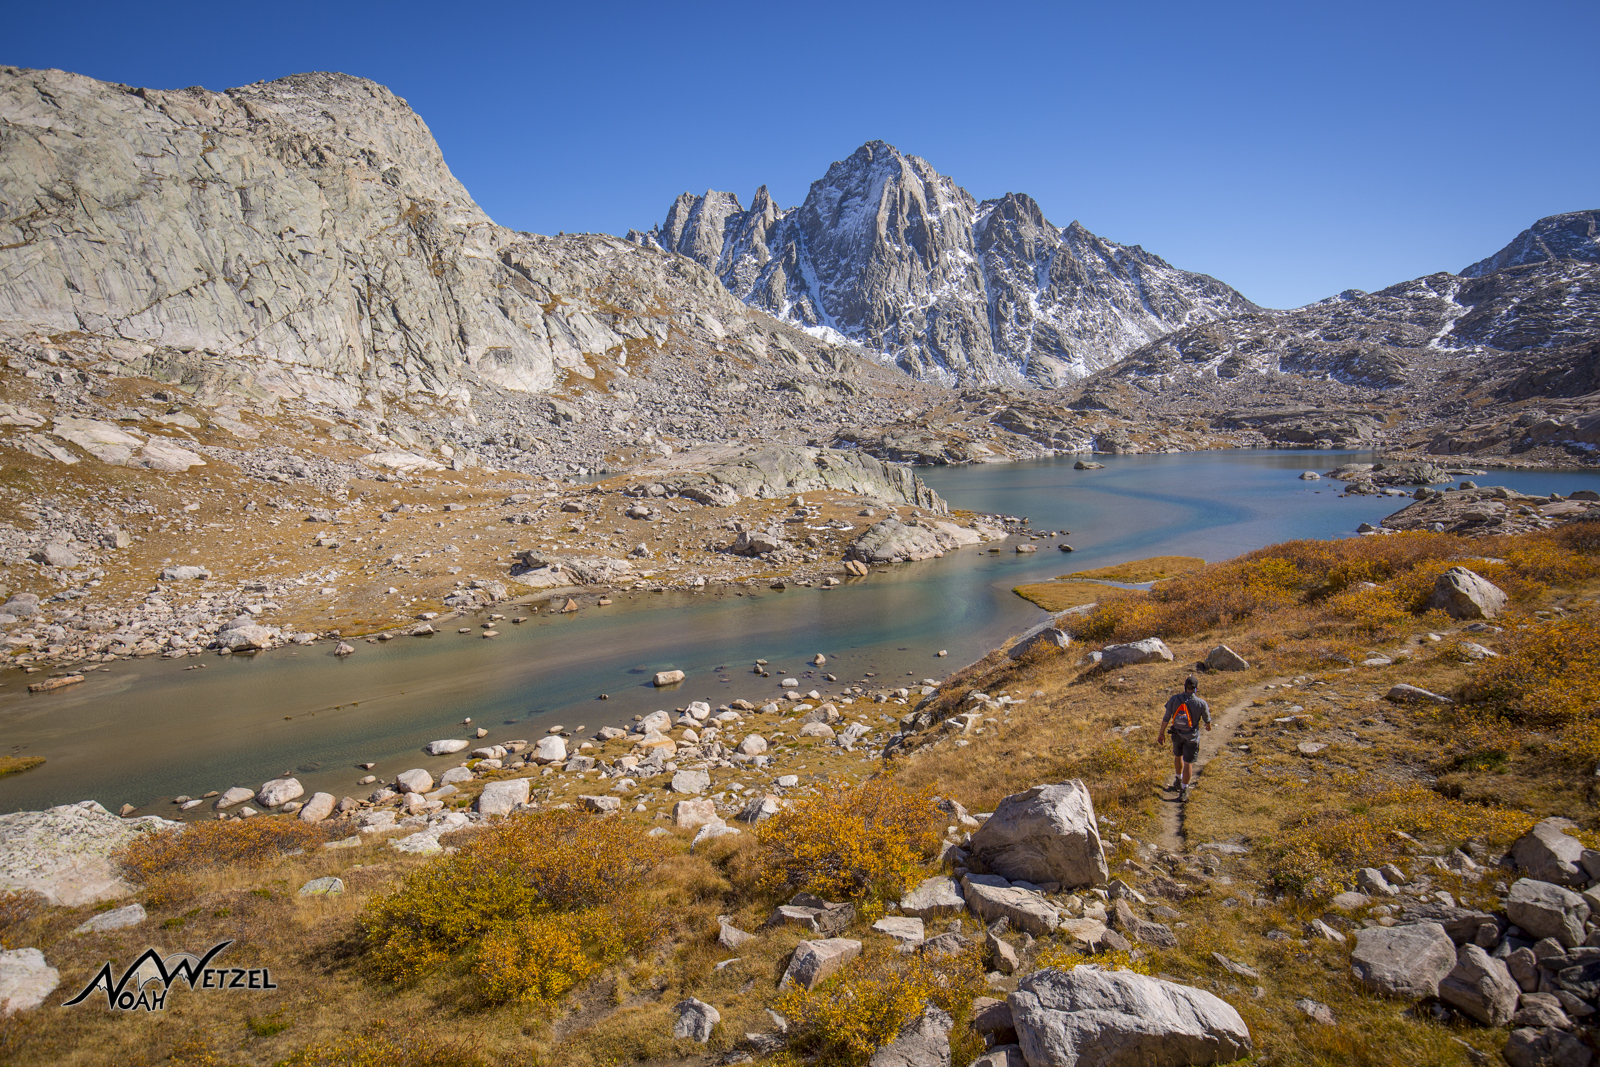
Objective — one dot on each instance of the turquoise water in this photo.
(148, 729)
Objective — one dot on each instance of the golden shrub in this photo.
(1064, 957)
(866, 841)
(1329, 575)
(1548, 672)
(163, 854)
(1325, 845)
(859, 1010)
(496, 907)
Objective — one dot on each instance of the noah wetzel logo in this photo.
(147, 981)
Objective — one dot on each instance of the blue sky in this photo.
(1292, 150)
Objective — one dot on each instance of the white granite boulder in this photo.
(1465, 594)
(64, 853)
(280, 791)
(1150, 650)
(502, 797)
(1407, 962)
(25, 980)
(1091, 1016)
(1046, 834)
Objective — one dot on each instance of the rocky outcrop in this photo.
(888, 252)
(1575, 235)
(304, 238)
(764, 472)
(64, 853)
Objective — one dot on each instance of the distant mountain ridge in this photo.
(890, 254)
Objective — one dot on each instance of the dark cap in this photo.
(1191, 682)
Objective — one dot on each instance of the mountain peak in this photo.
(1573, 235)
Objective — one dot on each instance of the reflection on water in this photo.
(148, 728)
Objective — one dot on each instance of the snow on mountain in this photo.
(892, 255)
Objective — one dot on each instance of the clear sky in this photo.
(1290, 149)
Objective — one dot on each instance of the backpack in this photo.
(1182, 718)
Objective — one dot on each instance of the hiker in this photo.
(1185, 712)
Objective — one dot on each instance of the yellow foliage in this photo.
(1064, 957)
(167, 854)
(867, 841)
(528, 907)
(1548, 675)
(1326, 845)
(1295, 574)
(861, 1009)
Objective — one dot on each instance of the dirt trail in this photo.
(1223, 725)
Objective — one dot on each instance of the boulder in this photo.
(691, 814)
(25, 980)
(695, 1020)
(550, 749)
(64, 853)
(922, 1042)
(503, 797)
(319, 807)
(1150, 650)
(446, 748)
(814, 961)
(1046, 640)
(1407, 962)
(328, 886)
(115, 919)
(1480, 986)
(934, 898)
(1091, 1016)
(1548, 854)
(990, 897)
(1142, 931)
(902, 928)
(1410, 694)
(1046, 834)
(235, 795)
(752, 745)
(1547, 910)
(601, 804)
(892, 541)
(415, 780)
(280, 791)
(1223, 658)
(690, 782)
(1540, 1010)
(1549, 1047)
(658, 721)
(1466, 595)
(815, 729)
(1002, 1056)
(731, 937)
(664, 678)
(247, 638)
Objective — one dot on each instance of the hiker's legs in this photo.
(1186, 770)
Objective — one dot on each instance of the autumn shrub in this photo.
(1337, 579)
(1325, 844)
(1116, 774)
(526, 909)
(1063, 956)
(845, 1019)
(866, 841)
(1548, 675)
(174, 854)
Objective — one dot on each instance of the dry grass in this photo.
(1139, 571)
(1060, 595)
(18, 764)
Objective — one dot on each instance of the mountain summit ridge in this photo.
(888, 253)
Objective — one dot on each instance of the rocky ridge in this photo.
(887, 252)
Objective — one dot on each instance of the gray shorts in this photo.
(1188, 749)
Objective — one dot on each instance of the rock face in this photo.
(64, 853)
(887, 252)
(1575, 235)
(1047, 834)
(1407, 962)
(1120, 1019)
(304, 237)
(1465, 595)
(764, 472)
